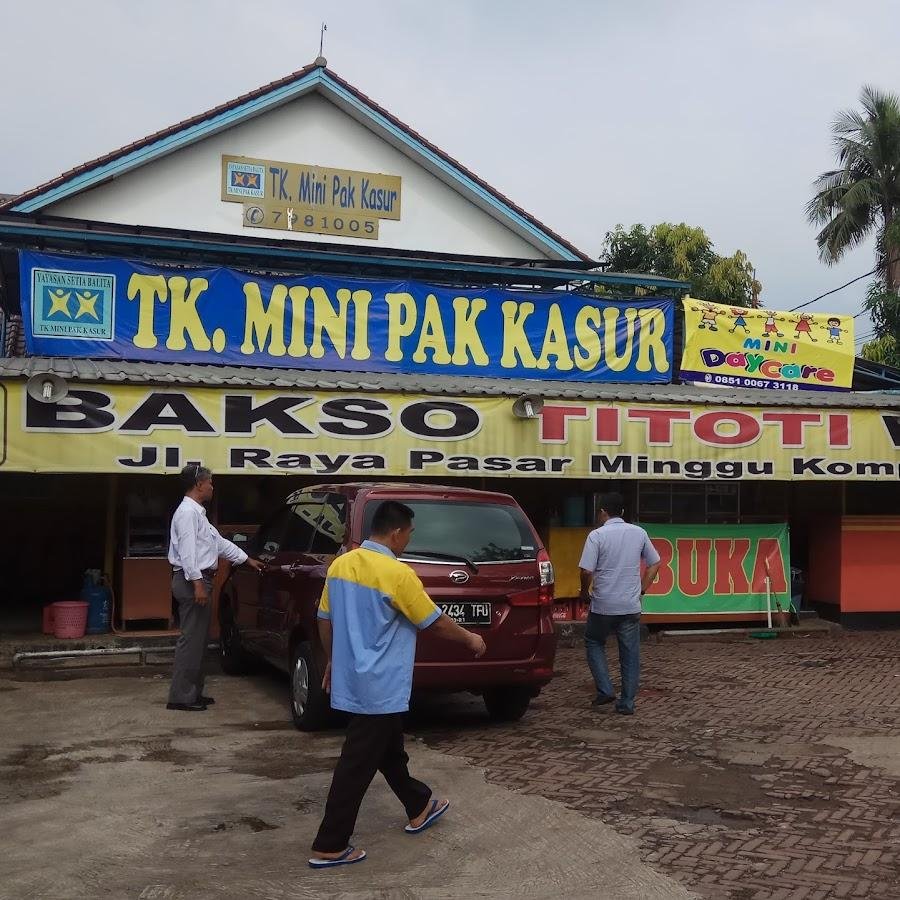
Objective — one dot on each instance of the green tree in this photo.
(883, 305)
(684, 252)
(882, 350)
(861, 198)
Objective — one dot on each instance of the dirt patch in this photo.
(35, 772)
(254, 823)
(40, 771)
(192, 732)
(590, 737)
(707, 815)
(668, 815)
(278, 759)
(699, 783)
(277, 725)
(114, 758)
(154, 749)
(307, 804)
(780, 749)
(282, 765)
(162, 751)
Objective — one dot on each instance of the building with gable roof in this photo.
(307, 182)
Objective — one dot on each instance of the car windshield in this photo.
(477, 532)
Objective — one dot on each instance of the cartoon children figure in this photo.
(834, 330)
(710, 314)
(739, 321)
(770, 327)
(802, 326)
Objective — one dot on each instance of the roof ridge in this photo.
(39, 189)
(258, 93)
(456, 163)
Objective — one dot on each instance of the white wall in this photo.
(183, 189)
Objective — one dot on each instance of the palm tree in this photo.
(862, 196)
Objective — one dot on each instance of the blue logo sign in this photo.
(246, 180)
(70, 305)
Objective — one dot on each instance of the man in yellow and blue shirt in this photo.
(371, 611)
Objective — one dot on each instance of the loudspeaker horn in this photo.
(528, 406)
(46, 387)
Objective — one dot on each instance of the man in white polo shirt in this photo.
(611, 578)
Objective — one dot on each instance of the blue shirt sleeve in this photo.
(649, 553)
(591, 553)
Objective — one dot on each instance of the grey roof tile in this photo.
(122, 372)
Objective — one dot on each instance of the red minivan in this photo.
(479, 557)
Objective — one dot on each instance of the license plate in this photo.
(468, 613)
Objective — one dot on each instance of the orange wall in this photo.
(870, 564)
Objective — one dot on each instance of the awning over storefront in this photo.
(121, 417)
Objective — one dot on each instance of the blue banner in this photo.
(120, 309)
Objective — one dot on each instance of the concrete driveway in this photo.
(104, 793)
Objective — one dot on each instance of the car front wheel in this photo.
(507, 704)
(309, 703)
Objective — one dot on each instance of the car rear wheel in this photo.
(507, 704)
(233, 657)
(309, 703)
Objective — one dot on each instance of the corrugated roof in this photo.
(172, 374)
(260, 93)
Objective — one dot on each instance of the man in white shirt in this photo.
(195, 548)
(611, 578)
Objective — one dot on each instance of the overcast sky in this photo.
(587, 114)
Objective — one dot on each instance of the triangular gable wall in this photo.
(173, 179)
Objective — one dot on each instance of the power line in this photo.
(834, 290)
(851, 281)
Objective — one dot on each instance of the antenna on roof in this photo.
(320, 60)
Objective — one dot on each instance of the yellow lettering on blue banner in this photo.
(219, 315)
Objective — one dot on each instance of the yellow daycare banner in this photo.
(124, 428)
(732, 346)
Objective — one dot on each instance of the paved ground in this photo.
(752, 771)
(103, 793)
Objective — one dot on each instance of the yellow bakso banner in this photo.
(131, 428)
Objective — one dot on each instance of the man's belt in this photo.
(206, 573)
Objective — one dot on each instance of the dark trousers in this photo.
(627, 630)
(373, 744)
(187, 673)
